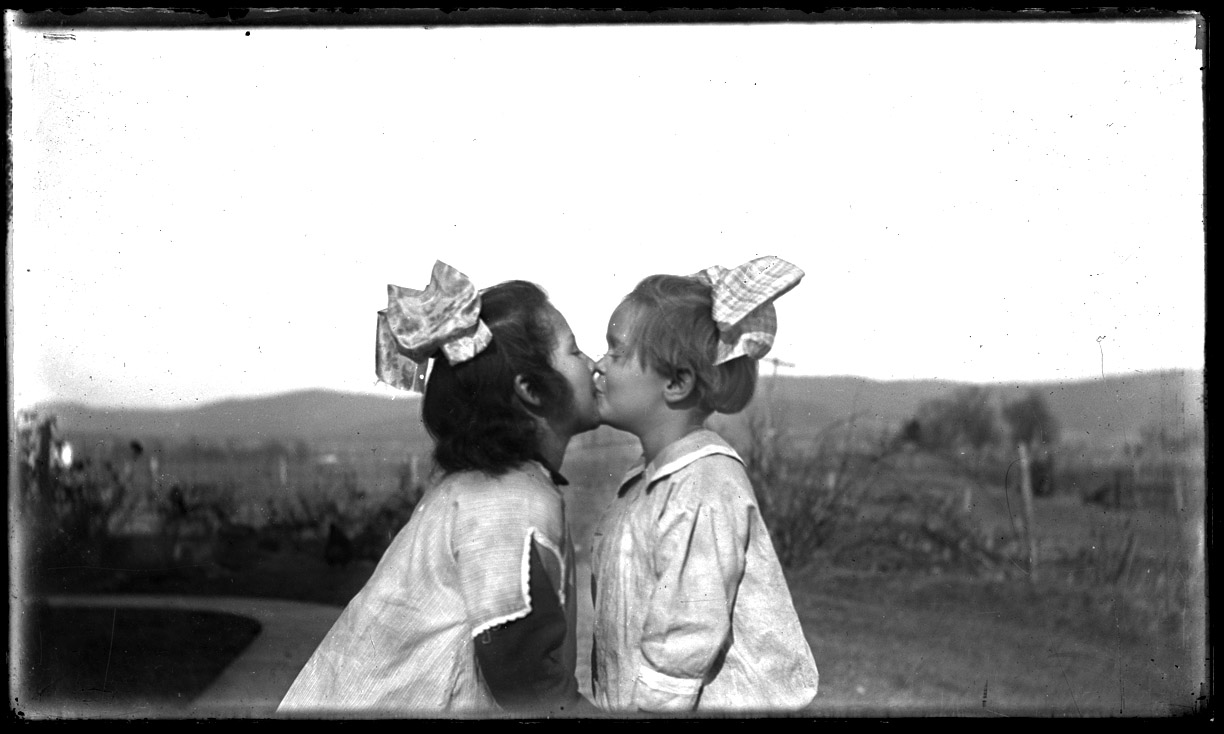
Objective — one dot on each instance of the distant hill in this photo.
(1111, 409)
(313, 415)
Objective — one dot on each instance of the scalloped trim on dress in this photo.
(525, 581)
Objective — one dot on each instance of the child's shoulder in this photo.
(716, 467)
(524, 492)
(711, 477)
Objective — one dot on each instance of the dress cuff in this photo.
(656, 691)
(667, 684)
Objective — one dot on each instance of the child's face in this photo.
(628, 393)
(578, 370)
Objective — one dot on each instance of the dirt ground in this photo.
(951, 647)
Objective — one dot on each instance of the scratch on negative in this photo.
(1072, 692)
(914, 670)
(114, 614)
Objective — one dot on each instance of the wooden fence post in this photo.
(1026, 498)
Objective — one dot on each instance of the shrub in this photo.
(1030, 420)
(66, 511)
(337, 505)
(929, 531)
(809, 492)
(967, 418)
(870, 501)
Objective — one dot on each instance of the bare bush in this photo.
(67, 509)
(336, 505)
(192, 516)
(808, 492)
(966, 418)
(298, 514)
(380, 526)
(929, 531)
(868, 499)
(1030, 421)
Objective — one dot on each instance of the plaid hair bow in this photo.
(416, 324)
(743, 304)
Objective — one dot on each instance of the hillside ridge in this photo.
(1117, 406)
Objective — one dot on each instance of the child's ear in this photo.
(523, 390)
(679, 387)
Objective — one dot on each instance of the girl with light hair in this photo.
(692, 611)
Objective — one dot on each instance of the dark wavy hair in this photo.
(471, 410)
(674, 330)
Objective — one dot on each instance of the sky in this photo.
(205, 214)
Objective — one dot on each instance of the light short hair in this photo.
(674, 330)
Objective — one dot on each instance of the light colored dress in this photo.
(404, 645)
(692, 611)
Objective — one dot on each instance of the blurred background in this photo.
(978, 443)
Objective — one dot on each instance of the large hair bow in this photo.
(416, 324)
(743, 304)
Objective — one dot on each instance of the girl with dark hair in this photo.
(472, 607)
(692, 612)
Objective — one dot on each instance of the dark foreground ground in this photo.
(887, 645)
(158, 656)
